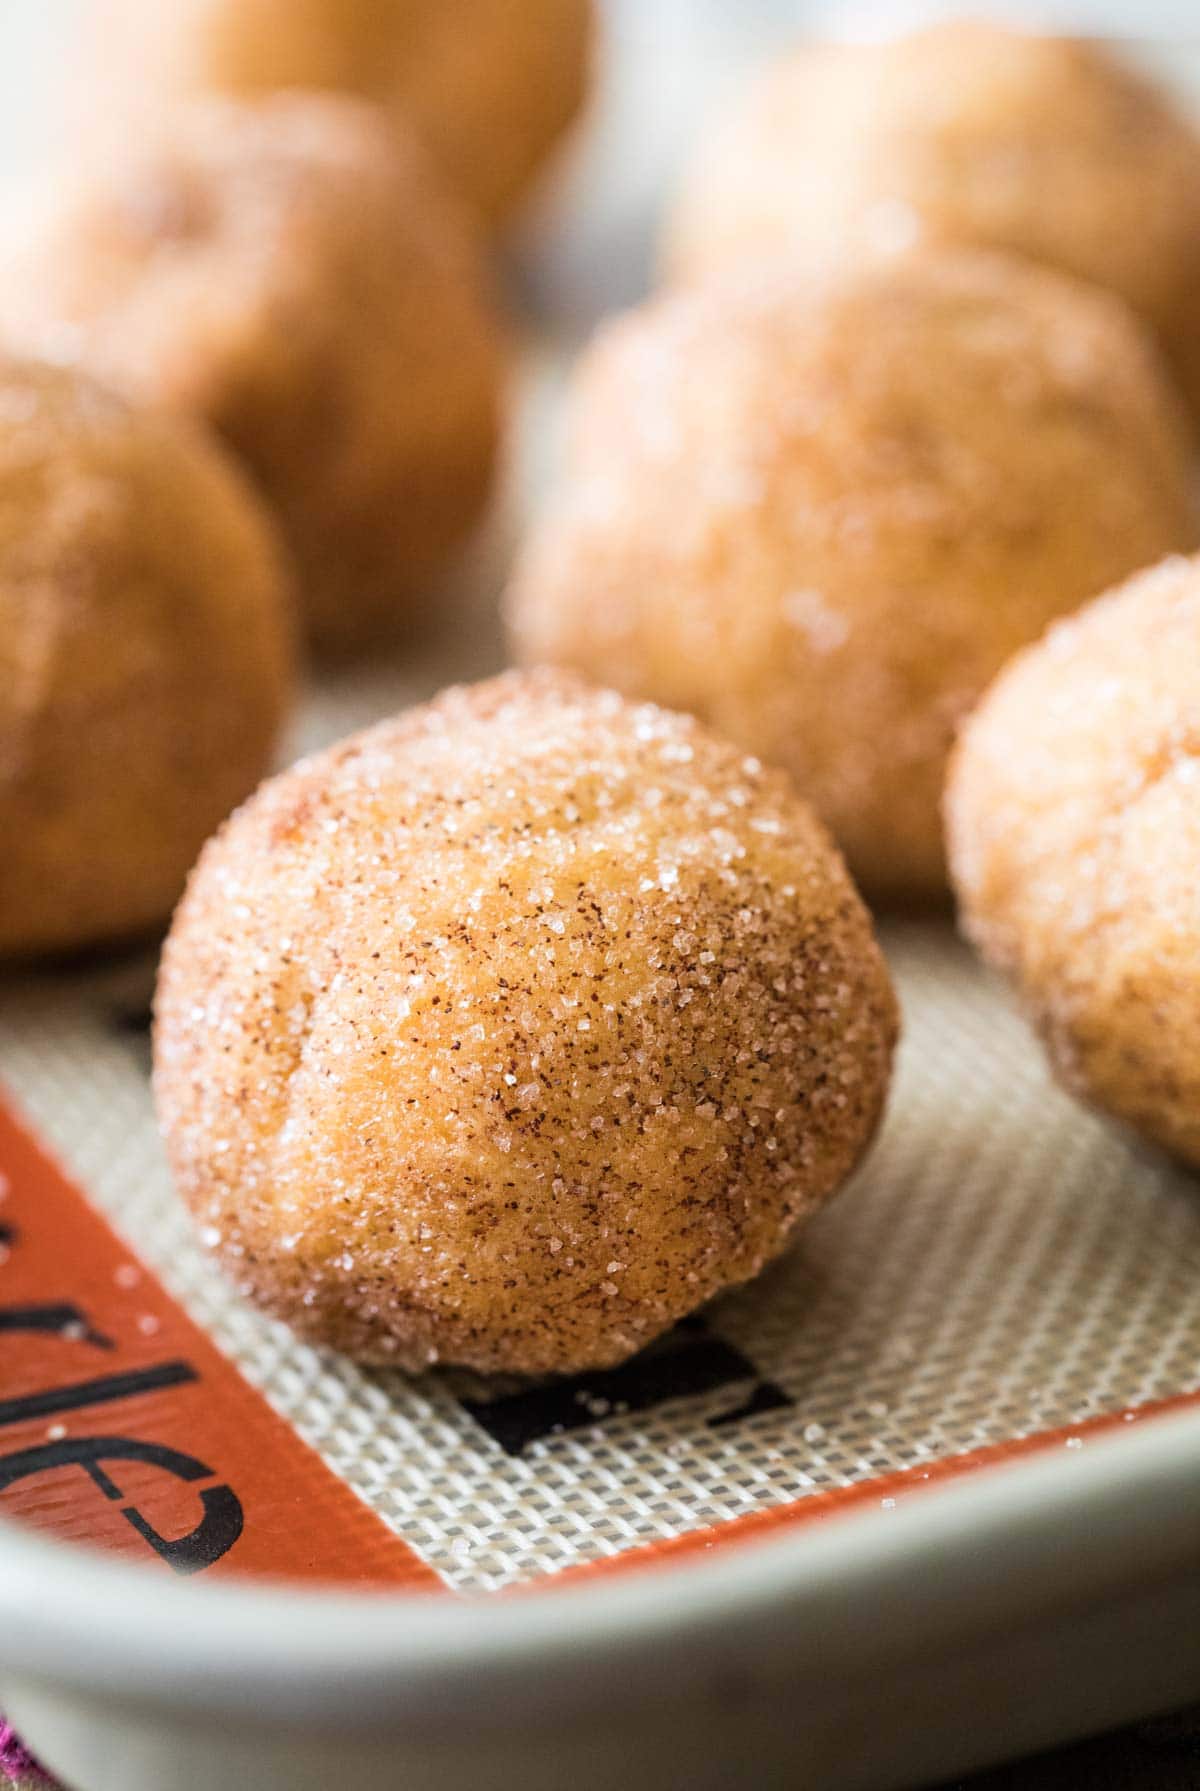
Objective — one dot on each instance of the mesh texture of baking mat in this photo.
(1005, 1264)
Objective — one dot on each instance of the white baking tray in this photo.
(1010, 1610)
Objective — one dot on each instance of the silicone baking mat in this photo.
(1005, 1271)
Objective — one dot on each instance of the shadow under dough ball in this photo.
(292, 273)
(490, 86)
(963, 133)
(821, 515)
(1074, 826)
(510, 1031)
(145, 657)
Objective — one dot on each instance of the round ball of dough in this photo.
(510, 1031)
(145, 657)
(489, 85)
(293, 274)
(1073, 813)
(964, 133)
(822, 517)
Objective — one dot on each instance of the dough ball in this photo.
(822, 515)
(1074, 825)
(294, 275)
(508, 1032)
(145, 657)
(963, 133)
(489, 85)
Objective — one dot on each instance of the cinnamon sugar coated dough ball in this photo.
(1074, 825)
(963, 133)
(821, 516)
(145, 657)
(509, 1031)
(490, 85)
(294, 274)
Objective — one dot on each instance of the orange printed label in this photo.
(123, 1426)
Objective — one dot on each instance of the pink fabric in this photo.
(17, 1766)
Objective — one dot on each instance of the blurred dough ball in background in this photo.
(961, 133)
(1075, 842)
(293, 273)
(532, 1019)
(490, 86)
(145, 657)
(822, 515)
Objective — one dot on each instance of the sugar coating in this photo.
(1074, 826)
(962, 133)
(293, 273)
(489, 85)
(508, 1032)
(146, 657)
(821, 515)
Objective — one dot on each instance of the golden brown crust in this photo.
(145, 657)
(292, 273)
(822, 515)
(510, 1031)
(1074, 832)
(489, 85)
(964, 133)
